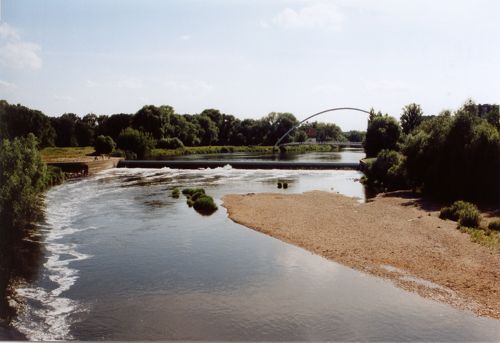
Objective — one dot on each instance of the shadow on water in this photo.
(21, 257)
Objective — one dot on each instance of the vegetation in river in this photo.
(197, 198)
(285, 185)
(176, 193)
(280, 185)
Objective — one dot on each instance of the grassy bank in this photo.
(55, 153)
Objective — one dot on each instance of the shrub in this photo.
(494, 225)
(285, 185)
(104, 145)
(387, 170)
(138, 142)
(205, 205)
(383, 133)
(465, 213)
(118, 153)
(280, 185)
(170, 143)
(22, 180)
(54, 176)
(191, 191)
(176, 193)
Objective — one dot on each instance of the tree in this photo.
(22, 179)
(383, 133)
(104, 145)
(19, 121)
(136, 141)
(208, 130)
(454, 157)
(278, 124)
(113, 125)
(411, 117)
(153, 120)
(85, 130)
(65, 129)
(354, 136)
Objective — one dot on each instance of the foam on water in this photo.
(45, 314)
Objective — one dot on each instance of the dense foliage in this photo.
(448, 156)
(22, 179)
(104, 145)
(383, 133)
(166, 128)
(465, 213)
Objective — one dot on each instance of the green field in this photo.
(53, 153)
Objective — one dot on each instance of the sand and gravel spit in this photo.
(394, 236)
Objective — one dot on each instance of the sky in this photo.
(249, 58)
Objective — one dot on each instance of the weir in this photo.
(196, 164)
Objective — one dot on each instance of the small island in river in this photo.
(395, 236)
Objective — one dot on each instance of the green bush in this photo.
(386, 170)
(383, 133)
(494, 225)
(205, 204)
(285, 185)
(54, 176)
(22, 180)
(176, 193)
(118, 153)
(280, 185)
(104, 145)
(137, 142)
(191, 191)
(170, 143)
(465, 213)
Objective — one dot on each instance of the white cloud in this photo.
(4, 85)
(16, 53)
(321, 15)
(185, 37)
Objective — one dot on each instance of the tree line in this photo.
(453, 155)
(160, 125)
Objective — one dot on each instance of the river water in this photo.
(125, 261)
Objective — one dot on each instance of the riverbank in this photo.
(396, 237)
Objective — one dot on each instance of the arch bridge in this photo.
(277, 144)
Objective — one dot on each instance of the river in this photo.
(123, 260)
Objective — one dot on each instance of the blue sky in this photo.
(249, 58)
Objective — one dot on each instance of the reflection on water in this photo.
(20, 261)
(130, 262)
(347, 155)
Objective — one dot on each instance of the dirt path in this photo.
(392, 237)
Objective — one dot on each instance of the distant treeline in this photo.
(210, 127)
(450, 156)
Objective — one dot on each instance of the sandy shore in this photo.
(395, 237)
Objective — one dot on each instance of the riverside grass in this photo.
(54, 153)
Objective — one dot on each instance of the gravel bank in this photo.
(397, 237)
